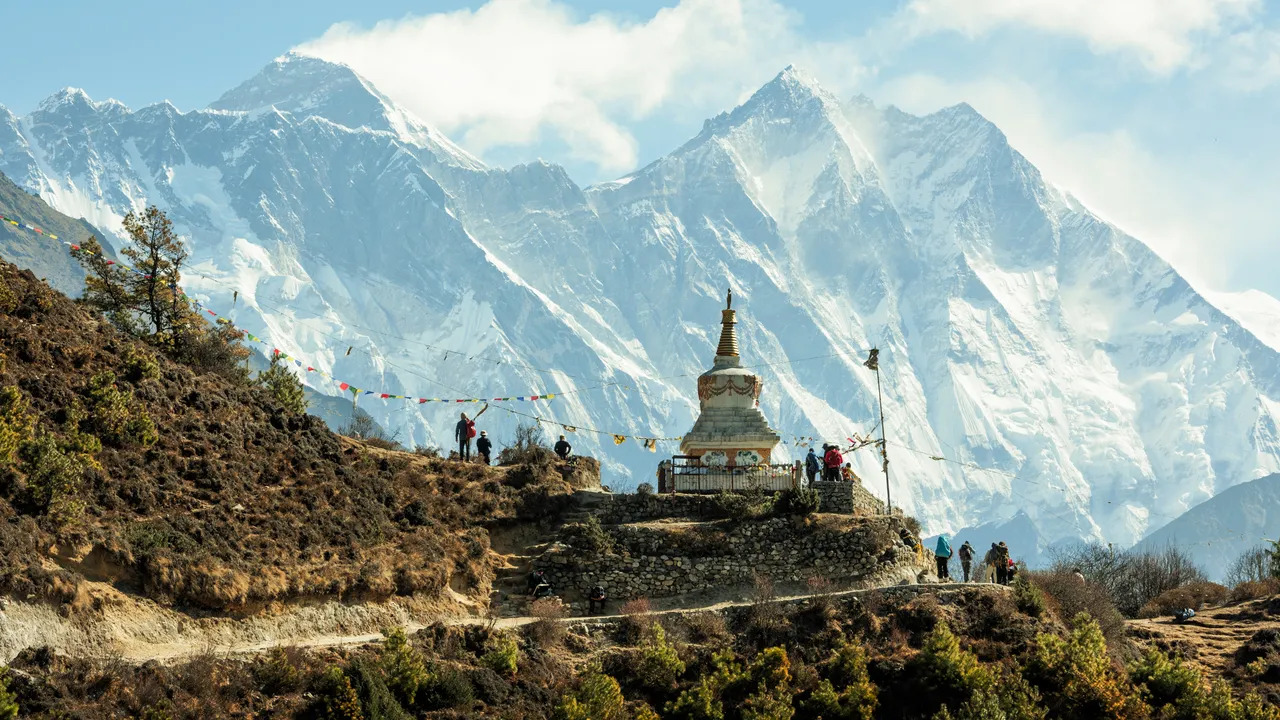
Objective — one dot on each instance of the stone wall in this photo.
(847, 498)
(664, 559)
(628, 508)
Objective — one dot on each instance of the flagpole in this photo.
(873, 362)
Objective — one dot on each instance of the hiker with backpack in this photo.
(1002, 563)
(811, 465)
(832, 460)
(464, 431)
(990, 564)
(966, 558)
(943, 555)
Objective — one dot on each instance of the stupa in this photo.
(730, 430)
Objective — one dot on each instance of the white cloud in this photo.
(1163, 34)
(1171, 208)
(1250, 60)
(511, 70)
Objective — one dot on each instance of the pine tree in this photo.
(105, 286)
(157, 255)
(284, 386)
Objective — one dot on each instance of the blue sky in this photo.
(1160, 116)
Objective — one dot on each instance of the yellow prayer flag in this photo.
(619, 439)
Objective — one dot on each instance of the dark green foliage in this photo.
(445, 687)
(659, 666)
(746, 505)
(503, 656)
(8, 701)
(116, 416)
(404, 666)
(284, 386)
(588, 536)
(797, 502)
(376, 698)
(276, 673)
(1029, 597)
(335, 698)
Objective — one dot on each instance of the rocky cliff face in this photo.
(1018, 331)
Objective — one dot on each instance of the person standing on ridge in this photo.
(811, 465)
(1002, 563)
(966, 559)
(990, 563)
(464, 431)
(484, 446)
(833, 460)
(943, 555)
(563, 448)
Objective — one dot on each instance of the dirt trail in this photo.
(1210, 639)
(140, 631)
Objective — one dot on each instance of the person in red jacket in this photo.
(831, 462)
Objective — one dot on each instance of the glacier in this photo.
(1039, 364)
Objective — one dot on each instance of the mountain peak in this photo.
(314, 87)
(67, 96)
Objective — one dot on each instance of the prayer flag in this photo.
(384, 396)
(344, 386)
(619, 439)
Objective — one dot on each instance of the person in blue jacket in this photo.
(943, 556)
(811, 465)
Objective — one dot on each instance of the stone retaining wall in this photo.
(836, 497)
(668, 559)
(847, 498)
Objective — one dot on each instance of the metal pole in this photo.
(884, 449)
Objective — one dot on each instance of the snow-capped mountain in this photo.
(1018, 331)
(1256, 311)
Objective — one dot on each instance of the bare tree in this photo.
(1253, 565)
(1131, 579)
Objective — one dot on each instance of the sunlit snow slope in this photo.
(1018, 331)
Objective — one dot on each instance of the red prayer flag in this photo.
(384, 396)
(344, 386)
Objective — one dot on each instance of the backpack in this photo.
(471, 429)
(833, 458)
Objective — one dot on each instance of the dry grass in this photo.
(238, 503)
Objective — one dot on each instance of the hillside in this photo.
(1218, 530)
(118, 466)
(1018, 331)
(40, 252)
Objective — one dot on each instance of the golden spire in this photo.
(728, 337)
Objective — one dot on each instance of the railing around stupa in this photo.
(687, 474)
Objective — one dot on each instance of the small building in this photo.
(731, 444)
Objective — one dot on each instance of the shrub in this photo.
(284, 386)
(216, 350)
(17, 426)
(1071, 597)
(588, 536)
(598, 697)
(403, 665)
(335, 698)
(115, 414)
(644, 488)
(1254, 589)
(139, 365)
(1131, 579)
(848, 689)
(547, 630)
(1195, 596)
(376, 698)
(1076, 678)
(445, 687)
(276, 674)
(797, 502)
(8, 701)
(637, 617)
(946, 673)
(8, 301)
(1028, 597)
(706, 627)
(1165, 682)
(53, 478)
(660, 666)
(738, 506)
(503, 656)
(528, 447)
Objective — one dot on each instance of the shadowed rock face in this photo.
(1017, 330)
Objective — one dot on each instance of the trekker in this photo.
(536, 578)
(966, 558)
(847, 474)
(1002, 563)
(563, 448)
(833, 459)
(484, 446)
(943, 555)
(989, 564)
(464, 431)
(811, 465)
(596, 598)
